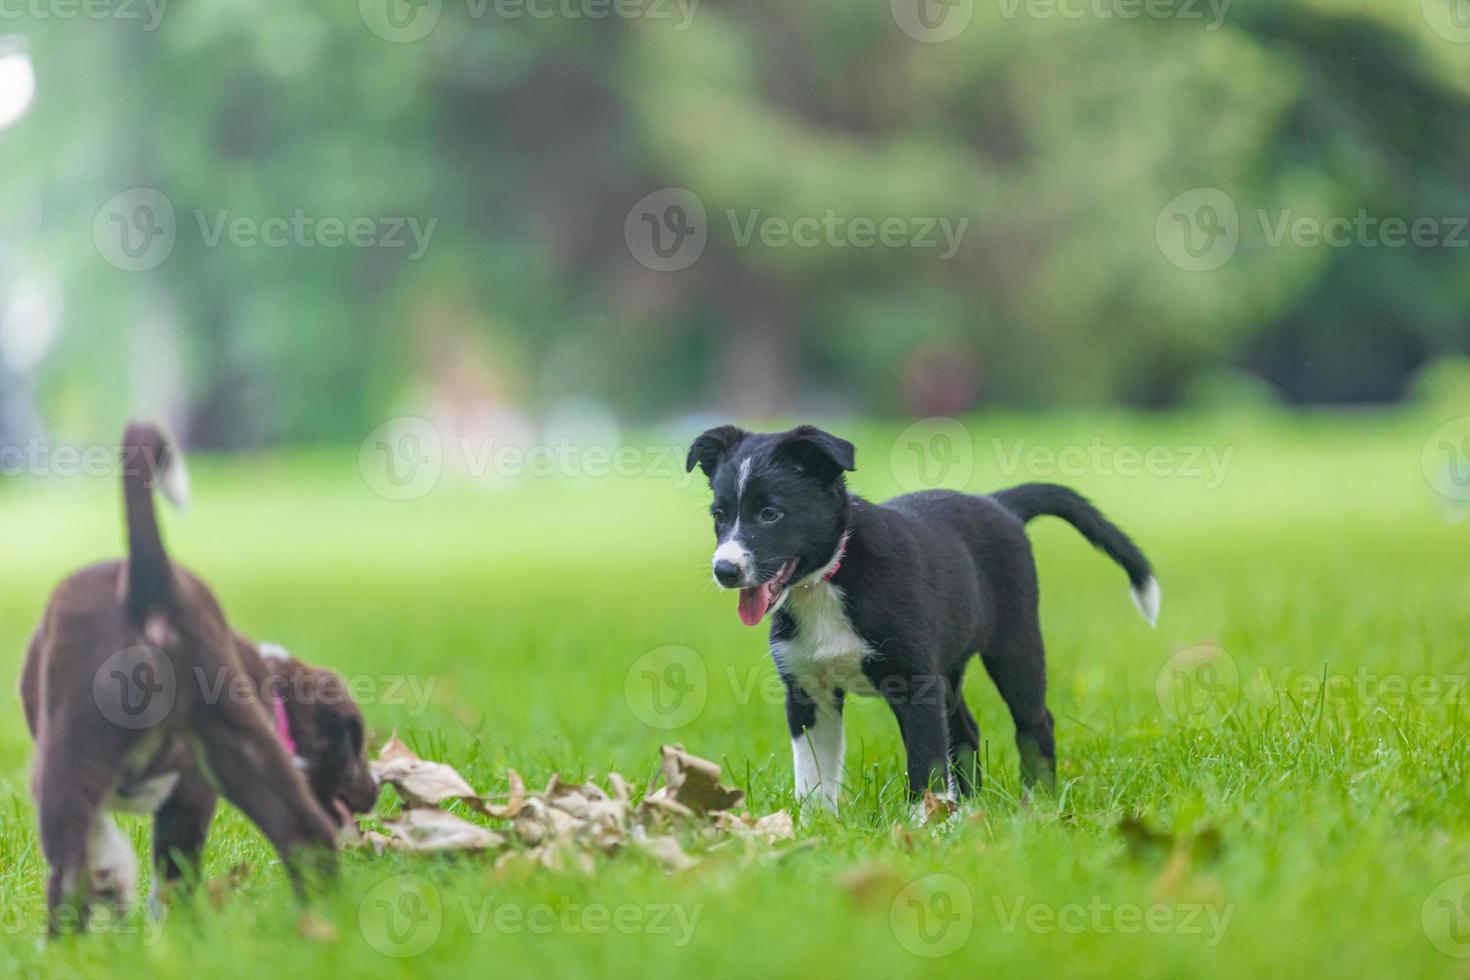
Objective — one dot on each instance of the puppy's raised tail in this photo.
(149, 460)
(1036, 499)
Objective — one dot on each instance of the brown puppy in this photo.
(141, 698)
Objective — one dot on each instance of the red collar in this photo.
(837, 559)
(283, 725)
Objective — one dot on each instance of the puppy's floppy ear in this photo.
(713, 446)
(818, 452)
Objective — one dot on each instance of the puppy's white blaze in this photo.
(274, 651)
(111, 863)
(817, 755)
(1147, 598)
(175, 482)
(744, 475)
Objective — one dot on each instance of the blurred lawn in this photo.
(1322, 551)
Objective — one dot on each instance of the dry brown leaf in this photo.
(771, 828)
(378, 842)
(419, 781)
(316, 928)
(513, 805)
(440, 830)
(691, 786)
(394, 750)
(220, 889)
(566, 824)
(667, 851)
(872, 885)
(937, 809)
(776, 827)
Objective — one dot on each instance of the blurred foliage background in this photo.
(525, 131)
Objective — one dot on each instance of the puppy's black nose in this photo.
(727, 573)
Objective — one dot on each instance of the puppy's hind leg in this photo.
(1016, 663)
(179, 830)
(89, 857)
(112, 867)
(964, 736)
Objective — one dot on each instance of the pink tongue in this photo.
(753, 604)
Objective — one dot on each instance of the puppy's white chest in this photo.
(135, 794)
(825, 653)
(144, 796)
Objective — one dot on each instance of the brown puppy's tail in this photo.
(149, 460)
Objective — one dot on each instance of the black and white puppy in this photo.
(891, 600)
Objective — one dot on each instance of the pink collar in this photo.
(837, 559)
(283, 725)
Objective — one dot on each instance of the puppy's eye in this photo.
(770, 515)
(718, 515)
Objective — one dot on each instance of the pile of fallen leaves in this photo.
(566, 824)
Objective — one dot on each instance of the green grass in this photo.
(1322, 552)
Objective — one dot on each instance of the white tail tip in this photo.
(175, 482)
(1147, 598)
